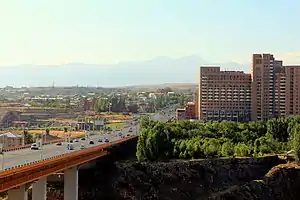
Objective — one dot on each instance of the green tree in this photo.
(296, 142)
(227, 149)
(28, 138)
(242, 150)
(211, 147)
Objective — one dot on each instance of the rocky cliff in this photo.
(280, 183)
(176, 180)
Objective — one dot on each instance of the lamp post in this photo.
(1, 152)
(109, 107)
(41, 145)
(23, 136)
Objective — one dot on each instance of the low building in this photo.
(180, 114)
(85, 125)
(20, 124)
(9, 140)
(190, 110)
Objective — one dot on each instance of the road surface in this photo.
(23, 156)
(164, 115)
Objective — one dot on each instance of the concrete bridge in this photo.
(25, 167)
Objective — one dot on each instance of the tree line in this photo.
(187, 139)
(114, 103)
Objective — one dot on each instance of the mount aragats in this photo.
(150, 72)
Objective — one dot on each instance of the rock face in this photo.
(281, 183)
(176, 180)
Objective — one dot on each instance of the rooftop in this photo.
(10, 135)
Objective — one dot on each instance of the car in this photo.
(106, 140)
(100, 140)
(92, 142)
(83, 138)
(71, 141)
(130, 130)
(34, 146)
(70, 146)
(82, 147)
(76, 140)
(59, 144)
(120, 134)
(128, 135)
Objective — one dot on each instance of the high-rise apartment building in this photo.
(275, 88)
(224, 95)
(292, 90)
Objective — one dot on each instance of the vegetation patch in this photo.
(189, 140)
(117, 125)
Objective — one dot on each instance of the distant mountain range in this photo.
(150, 72)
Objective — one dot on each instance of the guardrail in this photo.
(29, 145)
(29, 172)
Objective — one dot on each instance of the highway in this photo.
(23, 156)
(163, 116)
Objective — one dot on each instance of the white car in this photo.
(82, 147)
(34, 146)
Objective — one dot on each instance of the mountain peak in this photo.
(159, 70)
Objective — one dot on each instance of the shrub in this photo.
(228, 149)
(242, 150)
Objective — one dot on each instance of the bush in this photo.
(228, 149)
(242, 150)
(211, 148)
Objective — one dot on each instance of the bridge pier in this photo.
(39, 189)
(19, 193)
(71, 184)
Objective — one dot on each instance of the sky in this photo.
(47, 32)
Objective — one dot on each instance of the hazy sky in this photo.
(108, 31)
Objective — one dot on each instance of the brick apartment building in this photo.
(292, 90)
(224, 95)
(275, 88)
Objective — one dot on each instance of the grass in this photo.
(56, 133)
(118, 125)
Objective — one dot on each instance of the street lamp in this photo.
(1, 152)
(23, 135)
(41, 145)
(109, 107)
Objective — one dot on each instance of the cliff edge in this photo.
(282, 182)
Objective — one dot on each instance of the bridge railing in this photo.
(103, 146)
(26, 173)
